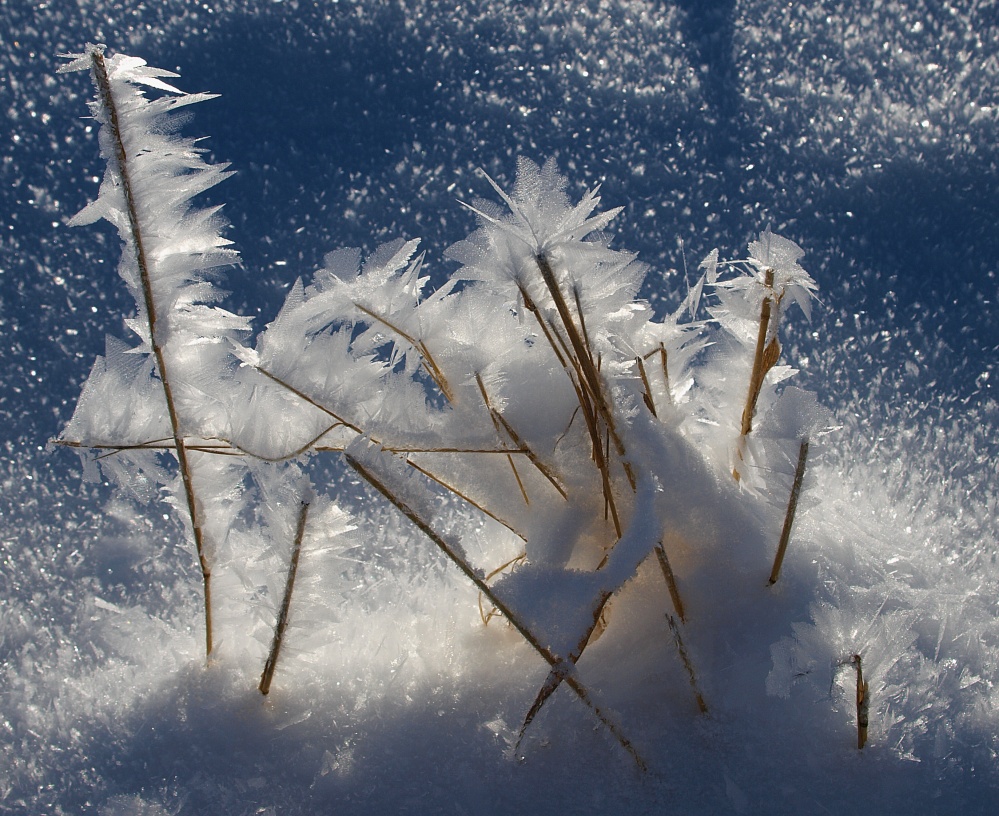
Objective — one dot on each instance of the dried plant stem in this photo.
(678, 639)
(664, 360)
(863, 705)
(475, 576)
(306, 398)
(486, 617)
(586, 382)
(103, 83)
(647, 395)
(765, 356)
(582, 356)
(501, 425)
(429, 363)
(759, 358)
(670, 578)
(574, 372)
(224, 447)
(792, 507)
(282, 619)
(463, 496)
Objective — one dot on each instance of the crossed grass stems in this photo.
(568, 339)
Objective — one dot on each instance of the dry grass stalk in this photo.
(501, 425)
(765, 357)
(492, 613)
(463, 496)
(664, 361)
(224, 447)
(282, 619)
(792, 507)
(306, 398)
(761, 358)
(582, 357)
(863, 706)
(670, 578)
(103, 83)
(555, 677)
(429, 364)
(588, 385)
(574, 371)
(647, 396)
(475, 576)
(678, 639)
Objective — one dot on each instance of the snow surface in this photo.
(864, 132)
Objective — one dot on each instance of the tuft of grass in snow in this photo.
(580, 436)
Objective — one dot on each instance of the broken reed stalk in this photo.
(863, 706)
(499, 431)
(674, 627)
(765, 356)
(306, 398)
(557, 674)
(759, 358)
(475, 576)
(792, 507)
(463, 496)
(486, 617)
(589, 390)
(647, 395)
(574, 371)
(664, 359)
(103, 84)
(282, 619)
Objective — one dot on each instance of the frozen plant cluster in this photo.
(607, 480)
(534, 386)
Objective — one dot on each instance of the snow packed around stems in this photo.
(536, 418)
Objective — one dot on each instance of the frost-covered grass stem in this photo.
(104, 90)
(670, 578)
(863, 705)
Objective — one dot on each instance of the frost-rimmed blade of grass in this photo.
(559, 672)
(150, 179)
(765, 356)
(429, 363)
(674, 591)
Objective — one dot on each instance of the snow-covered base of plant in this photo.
(412, 705)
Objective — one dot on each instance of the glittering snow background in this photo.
(865, 132)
